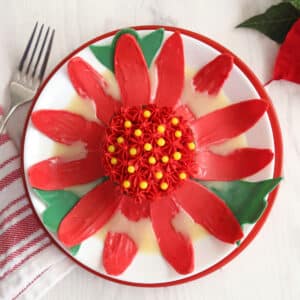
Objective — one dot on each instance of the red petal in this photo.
(66, 127)
(228, 122)
(56, 173)
(89, 84)
(119, 251)
(170, 71)
(237, 165)
(134, 209)
(175, 247)
(287, 65)
(89, 214)
(212, 76)
(131, 71)
(209, 211)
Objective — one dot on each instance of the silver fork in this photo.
(26, 79)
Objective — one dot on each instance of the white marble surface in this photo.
(269, 268)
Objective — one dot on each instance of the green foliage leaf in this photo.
(59, 203)
(121, 32)
(149, 45)
(105, 55)
(245, 199)
(275, 22)
(74, 250)
(295, 3)
(48, 197)
(54, 214)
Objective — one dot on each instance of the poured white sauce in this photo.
(82, 189)
(153, 80)
(75, 151)
(112, 87)
(141, 232)
(183, 223)
(83, 107)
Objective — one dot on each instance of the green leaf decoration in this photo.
(149, 45)
(104, 54)
(245, 199)
(59, 203)
(295, 3)
(74, 250)
(54, 214)
(275, 22)
(48, 197)
(124, 31)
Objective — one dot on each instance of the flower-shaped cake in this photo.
(151, 151)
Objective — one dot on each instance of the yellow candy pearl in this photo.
(177, 155)
(182, 175)
(132, 151)
(164, 186)
(148, 147)
(126, 184)
(111, 148)
(147, 113)
(159, 175)
(143, 185)
(120, 140)
(161, 142)
(192, 146)
(161, 128)
(178, 133)
(113, 161)
(152, 160)
(165, 159)
(127, 124)
(138, 132)
(131, 169)
(175, 121)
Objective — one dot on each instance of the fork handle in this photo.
(3, 121)
(10, 113)
(2, 124)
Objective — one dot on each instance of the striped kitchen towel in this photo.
(29, 263)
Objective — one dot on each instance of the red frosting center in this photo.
(149, 151)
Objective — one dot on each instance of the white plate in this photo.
(148, 268)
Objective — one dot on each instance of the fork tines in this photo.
(40, 43)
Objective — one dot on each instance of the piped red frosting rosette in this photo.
(150, 150)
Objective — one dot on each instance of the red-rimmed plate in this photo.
(149, 268)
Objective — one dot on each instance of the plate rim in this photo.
(278, 153)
